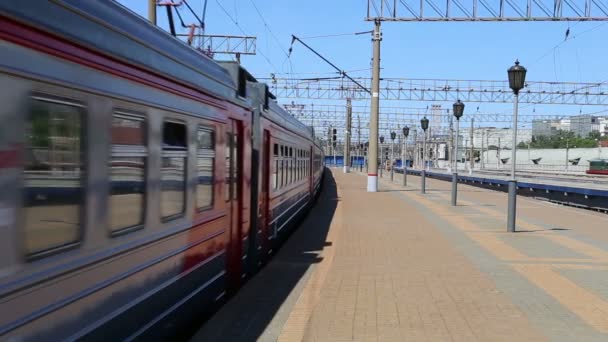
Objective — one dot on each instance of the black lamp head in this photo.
(458, 109)
(517, 77)
(424, 123)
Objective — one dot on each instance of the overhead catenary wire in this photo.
(337, 35)
(342, 72)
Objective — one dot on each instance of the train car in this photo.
(138, 175)
(598, 167)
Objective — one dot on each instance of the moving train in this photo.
(142, 182)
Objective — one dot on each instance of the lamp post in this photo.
(567, 150)
(393, 136)
(458, 111)
(406, 133)
(381, 155)
(366, 156)
(517, 81)
(424, 123)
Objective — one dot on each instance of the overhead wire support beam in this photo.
(486, 10)
(223, 44)
(567, 93)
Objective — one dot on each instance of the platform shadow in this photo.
(250, 313)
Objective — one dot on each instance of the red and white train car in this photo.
(141, 181)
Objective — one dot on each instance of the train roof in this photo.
(261, 98)
(112, 29)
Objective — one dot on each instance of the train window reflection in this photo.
(275, 171)
(204, 168)
(53, 175)
(127, 173)
(173, 170)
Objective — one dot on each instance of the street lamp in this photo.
(424, 123)
(393, 136)
(406, 132)
(517, 81)
(458, 111)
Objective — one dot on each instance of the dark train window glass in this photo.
(291, 166)
(127, 172)
(282, 167)
(173, 170)
(54, 175)
(275, 171)
(205, 160)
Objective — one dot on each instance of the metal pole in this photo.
(567, 150)
(472, 161)
(423, 177)
(482, 156)
(455, 174)
(152, 11)
(513, 183)
(372, 176)
(349, 116)
(392, 158)
(359, 143)
(405, 164)
(498, 154)
(381, 160)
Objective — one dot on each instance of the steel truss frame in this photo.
(566, 93)
(487, 10)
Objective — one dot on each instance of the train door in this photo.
(265, 192)
(234, 205)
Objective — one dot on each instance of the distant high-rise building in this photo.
(582, 125)
(549, 127)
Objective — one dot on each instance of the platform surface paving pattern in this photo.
(398, 265)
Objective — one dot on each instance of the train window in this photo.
(291, 168)
(53, 175)
(205, 159)
(282, 168)
(173, 170)
(275, 171)
(127, 173)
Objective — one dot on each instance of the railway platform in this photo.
(398, 265)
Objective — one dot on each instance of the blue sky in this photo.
(413, 50)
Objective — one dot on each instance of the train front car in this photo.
(123, 167)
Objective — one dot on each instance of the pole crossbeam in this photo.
(441, 90)
(486, 10)
(224, 44)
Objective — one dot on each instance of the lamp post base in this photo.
(511, 211)
(423, 182)
(372, 183)
(404, 177)
(346, 169)
(392, 175)
(454, 188)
